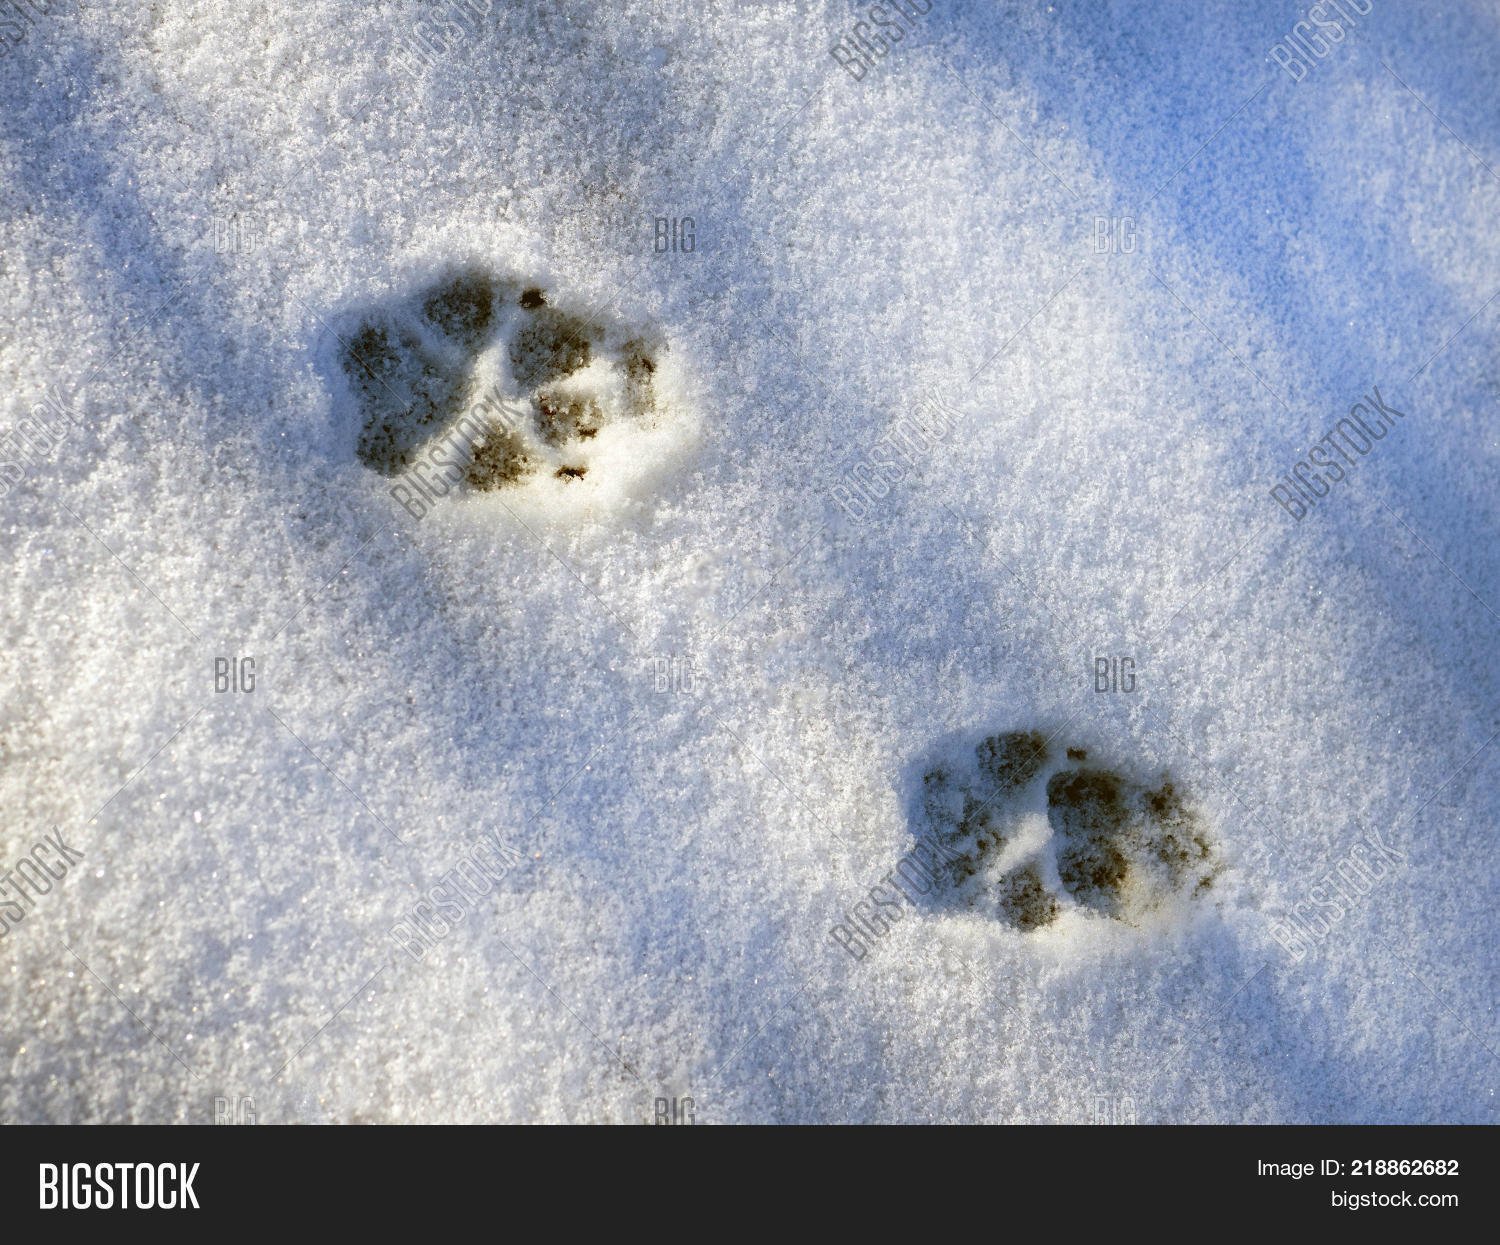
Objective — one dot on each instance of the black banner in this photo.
(1137, 1179)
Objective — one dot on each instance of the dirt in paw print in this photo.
(497, 458)
(549, 346)
(485, 383)
(406, 394)
(1025, 831)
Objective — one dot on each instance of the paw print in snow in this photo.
(1025, 835)
(487, 381)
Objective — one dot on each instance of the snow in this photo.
(690, 706)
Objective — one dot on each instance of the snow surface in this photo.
(861, 246)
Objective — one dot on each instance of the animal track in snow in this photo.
(482, 383)
(1026, 834)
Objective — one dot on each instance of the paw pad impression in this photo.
(1024, 834)
(485, 383)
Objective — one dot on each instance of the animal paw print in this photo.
(486, 380)
(1024, 835)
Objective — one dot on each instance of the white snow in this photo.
(191, 194)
